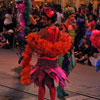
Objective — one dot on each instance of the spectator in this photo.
(9, 35)
(8, 24)
(98, 24)
(60, 16)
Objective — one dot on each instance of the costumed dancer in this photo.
(68, 60)
(95, 40)
(21, 25)
(23, 14)
(48, 44)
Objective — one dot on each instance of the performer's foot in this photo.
(60, 97)
(59, 92)
(65, 93)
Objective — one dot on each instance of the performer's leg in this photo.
(41, 91)
(61, 92)
(64, 92)
(50, 84)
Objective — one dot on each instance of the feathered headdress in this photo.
(69, 10)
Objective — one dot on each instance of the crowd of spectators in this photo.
(8, 23)
(9, 28)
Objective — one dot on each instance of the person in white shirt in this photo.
(8, 23)
(60, 16)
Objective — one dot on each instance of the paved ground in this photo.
(84, 81)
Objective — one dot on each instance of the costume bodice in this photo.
(71, 31)
(52, 34)
(52, 37)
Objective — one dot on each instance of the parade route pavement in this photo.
(84, 81)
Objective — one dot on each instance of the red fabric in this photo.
(41, 92)
(48, 11)
(52, 35)
(44, 57)
(95, 39)
(52, 90)
(50, 48)
(53, 93)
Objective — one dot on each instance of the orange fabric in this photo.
(33, 20)
(44, 48)
(47, 48)
(26, 66)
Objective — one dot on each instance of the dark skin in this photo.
(44, 31)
